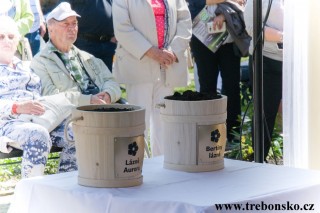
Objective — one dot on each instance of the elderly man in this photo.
(96, 37)
(62, 67)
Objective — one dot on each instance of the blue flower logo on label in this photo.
(215, 135)
(133, 148)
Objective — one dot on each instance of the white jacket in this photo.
(135, 29)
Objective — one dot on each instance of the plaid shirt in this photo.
(73, 65)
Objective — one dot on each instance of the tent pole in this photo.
(258, 124)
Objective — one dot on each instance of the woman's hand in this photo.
(211, 2)
(218, 21)
(30, 107)
(240, 2)
(163, 57)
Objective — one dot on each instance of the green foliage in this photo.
(191, 86)
(11, 169)
(275, 154)
(123, 91)
(52, 164)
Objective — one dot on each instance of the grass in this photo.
(12, 169)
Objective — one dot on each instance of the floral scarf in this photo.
(166, 25)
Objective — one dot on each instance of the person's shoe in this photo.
(231, 145)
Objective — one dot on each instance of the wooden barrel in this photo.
(109, 144)
(195, 134)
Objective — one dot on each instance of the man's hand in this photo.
(105, 97)
(43, 29)
(113, 40)
(30, 107)
(95, 99)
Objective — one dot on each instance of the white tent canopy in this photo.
(301, 86)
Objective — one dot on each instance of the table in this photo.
(173, 191)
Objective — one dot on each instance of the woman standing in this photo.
(151, 56)
(272, 62)
(225, 61)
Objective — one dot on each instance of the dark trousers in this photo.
(209, 65)
(103, 50)
(272, 95)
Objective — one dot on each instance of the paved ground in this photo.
(5, 203)
(6, 194)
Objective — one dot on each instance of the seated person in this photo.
(62, 67)
(19, 94)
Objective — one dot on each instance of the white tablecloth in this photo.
(166, 191)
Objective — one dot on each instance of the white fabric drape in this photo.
(301, 84)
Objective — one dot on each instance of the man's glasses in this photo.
(9, 36)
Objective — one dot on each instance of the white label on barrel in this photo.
(211, 143)
(129, 154)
